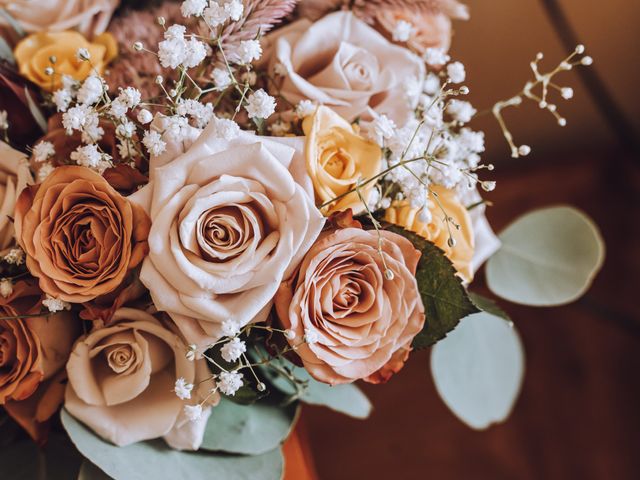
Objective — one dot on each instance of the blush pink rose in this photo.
(342, 62)
(89, 17)
(230, 220)
(121, 381)
(364, 321)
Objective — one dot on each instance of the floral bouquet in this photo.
(215, 211)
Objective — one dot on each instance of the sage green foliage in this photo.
(248, 429)
(488, 305)
(445, 299)
(155, 459)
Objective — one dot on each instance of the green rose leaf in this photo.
(488, 305)
(248, 429)
(347, 399)
(445, 299)
(548, 257)
(154, 459)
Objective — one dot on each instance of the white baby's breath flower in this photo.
(280, 128)
(456, 72)
(62, 98)
(382, 128)
(4, 123)
(130, 97)
(461, 110)
(44, 171)
(402, 31)
(193, 412)
(225, 128)
(15, 256)
(229, 382)
(91, 90)
(145, 116)
(195, 53)
(311, 336)
(83, 55)
(192, 352)
(43, 151)
(260, 104)
(176, 128)
(89, 156)
(221, 78)
(230, 328)
(249, 51)
(75, 118)
(193, 7)
(6, 287)
(126, 129)
(55, 305)
(431, 84)
(153, 142)
(233, 350)
(436, 56)
(305, 108)
(234, 9)
(182, 389)
(215, 14)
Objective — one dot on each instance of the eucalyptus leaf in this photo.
(548, 257)
(444, 297)
(347, 399)
(248, 429)
(155, 460)
(478, 369)
(5, 52)
(15, 25)
(35, 111)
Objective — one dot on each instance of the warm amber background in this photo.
(577, 416)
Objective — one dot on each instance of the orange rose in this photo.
(34, 54)
(80, 235)
(33, 350)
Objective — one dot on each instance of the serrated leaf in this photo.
(347, 399)
(248, 429)
(548, 257)
(488, 305)
(445, 299)
(478, 369)
(155, 460)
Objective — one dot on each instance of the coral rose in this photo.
(364, 317)
(342, 62)
(33, 350)
(337, 158)
(80, 235)
(121, 381)
(14, 176)
(461, 254)
(229, 222)
(34, 53)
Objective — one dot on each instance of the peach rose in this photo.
(33, 55)
(337, 157)
(14, 176)
(80, 235)
(229, 222)
(33, 351)
(89, 17)
(364, 320)
(342, 62)
(121, 381)
(461, 254)
(431, 27)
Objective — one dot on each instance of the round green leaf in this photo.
(548, 257)
(155, 460)
(248, 429)
(478, 369)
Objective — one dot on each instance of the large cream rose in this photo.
(337, 158)
(364, 320)
(229, 222)
(341, 62)
(14, 176)
(89, 17)
(121, 381)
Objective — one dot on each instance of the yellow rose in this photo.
(402, 214)
(336, 158)
(34, 54)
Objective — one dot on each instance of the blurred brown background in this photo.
(577, 416)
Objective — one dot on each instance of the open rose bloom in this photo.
(215, 211)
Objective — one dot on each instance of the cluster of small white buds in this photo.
(15, 256)
(182, 389)
(192, 352)
(6, 287)
(55, 305)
